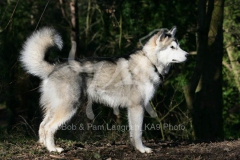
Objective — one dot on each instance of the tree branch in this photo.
(12, 15)
(227, 65)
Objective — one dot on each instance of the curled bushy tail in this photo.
(34, 49)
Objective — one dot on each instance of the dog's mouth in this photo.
(177, 61)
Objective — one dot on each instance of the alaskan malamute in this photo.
(127, 81)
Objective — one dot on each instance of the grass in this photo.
(19, 145)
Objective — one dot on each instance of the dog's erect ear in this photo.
(160, 36)
(173, 31)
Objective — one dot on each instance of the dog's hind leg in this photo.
(135, 117)
(42, 136)
(60, 116)
(89, 110)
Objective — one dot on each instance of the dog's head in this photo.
(164, 48)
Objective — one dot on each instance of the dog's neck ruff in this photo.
(160, 75)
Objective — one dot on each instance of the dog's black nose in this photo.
(186, 55)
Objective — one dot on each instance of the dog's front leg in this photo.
(135, 118)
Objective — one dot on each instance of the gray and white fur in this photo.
(127, 81)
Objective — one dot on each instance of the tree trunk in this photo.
(205, 90)
(73, 4)
(88, 22)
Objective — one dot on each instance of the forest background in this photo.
(203, 94)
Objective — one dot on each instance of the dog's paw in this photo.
(144, 149)
(59, 149)
(41, 142)
(148, 150)
(56, 149)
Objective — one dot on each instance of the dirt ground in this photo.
(30, 149)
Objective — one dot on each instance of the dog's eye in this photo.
(172, 47)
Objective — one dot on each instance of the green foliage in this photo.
(108, 28)
(231, 92)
